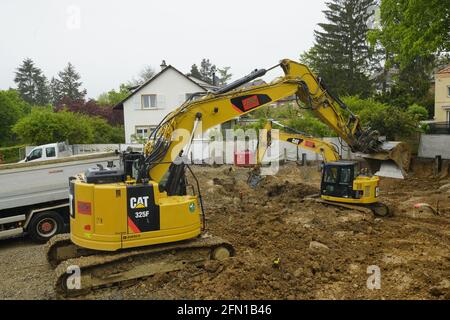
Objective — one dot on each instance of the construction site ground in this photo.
(288, 247)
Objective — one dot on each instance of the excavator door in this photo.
(337, 179)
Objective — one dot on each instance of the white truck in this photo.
(34, 195)
(48, 152)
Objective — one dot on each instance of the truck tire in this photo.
(45, 225)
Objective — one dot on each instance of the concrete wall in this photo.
(203, 150)
(432, 145)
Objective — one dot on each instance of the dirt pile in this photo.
(290, 248)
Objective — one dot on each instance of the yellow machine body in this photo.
(342, 182)
(107, 217)
(366, 186)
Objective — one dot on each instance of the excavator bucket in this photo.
(392, 161)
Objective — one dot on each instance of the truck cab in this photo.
(48, 152)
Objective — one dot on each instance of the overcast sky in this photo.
(109, 41)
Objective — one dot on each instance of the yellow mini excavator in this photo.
(343, 183)
(132, 222)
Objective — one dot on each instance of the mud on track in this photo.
(288, 247)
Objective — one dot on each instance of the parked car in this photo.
(48, 152)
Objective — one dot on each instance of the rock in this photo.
(298, 272)
(436, 291)
(275, 285)
(378, 220)
(317, 246)
(445, 187)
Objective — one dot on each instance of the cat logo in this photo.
(295, 140)
(139, 202)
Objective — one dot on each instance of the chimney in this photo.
(163, 65)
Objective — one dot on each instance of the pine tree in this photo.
(341, 54)
(195, 73)
(224, 76)
(32, 83)
(67, 85)
(207, 71)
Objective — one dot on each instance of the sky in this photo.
(110, 41)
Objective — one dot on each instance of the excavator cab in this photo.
(343, 181)
(338, 177)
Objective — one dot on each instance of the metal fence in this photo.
(439, 128)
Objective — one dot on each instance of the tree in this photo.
(91, 108)
(415, 37)
(224, 76)
(341, 54)
(113, 97)
(67, 85)
(146, 73)
(12, 108)
(207, 71)
(32, 83)
(414, 29)
(194, 72)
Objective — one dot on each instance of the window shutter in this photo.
(160, 101)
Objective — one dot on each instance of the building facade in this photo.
(144, 109)
(442, 96)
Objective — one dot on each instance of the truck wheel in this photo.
(45, 225)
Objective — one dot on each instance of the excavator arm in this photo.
(327, 150)
(178, 128)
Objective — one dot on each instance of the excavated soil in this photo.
(289, 247)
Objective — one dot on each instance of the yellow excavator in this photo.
(344, 183)
(132, 222)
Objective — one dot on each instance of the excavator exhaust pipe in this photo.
(392, 161)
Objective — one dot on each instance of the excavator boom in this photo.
(167, 140)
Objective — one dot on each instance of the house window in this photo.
(448, 116)
(143, 132)
(448, 91)
(148, 101)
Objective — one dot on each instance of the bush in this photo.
(43, 126)
(418, 112)
(390, 121)
(10, 154)
(12, 108)
(310, 124)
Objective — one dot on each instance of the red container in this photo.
(244, 158)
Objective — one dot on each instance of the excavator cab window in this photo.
(337, 179)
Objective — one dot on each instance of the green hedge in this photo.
(11, 154)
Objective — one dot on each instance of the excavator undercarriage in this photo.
(99, 269)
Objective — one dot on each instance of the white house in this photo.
(144, 109)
